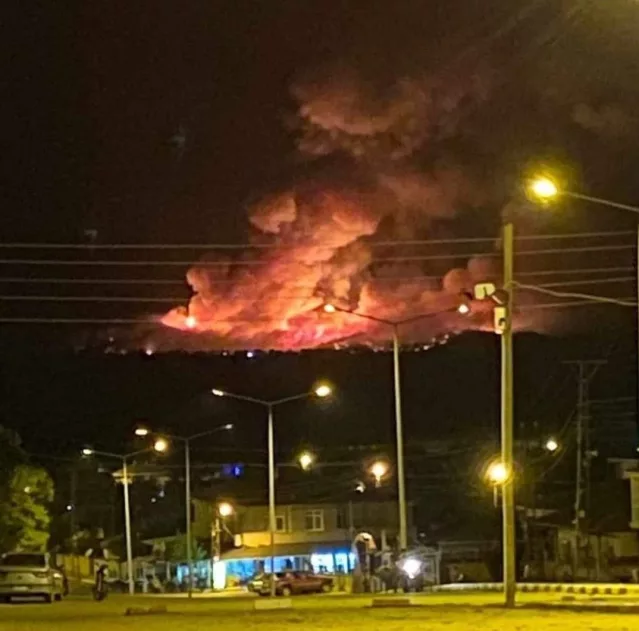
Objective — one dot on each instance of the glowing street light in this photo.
(551, 445)
(160, 445)
(124, 459)
(225, 509)
(306, 460)
(395, 326)
(190, 322)
(498, 473)
(542, 189)
(463, 308)
(379, 469)
(322, 390)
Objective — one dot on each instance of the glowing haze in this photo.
(326, 239)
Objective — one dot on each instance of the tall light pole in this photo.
(222, 511)
(507, 423)
(397, 390)
(545, 190)
(143, 431)
(321, 391)
(159, 446)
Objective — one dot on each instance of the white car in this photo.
(27, 574)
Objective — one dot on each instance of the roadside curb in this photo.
(604, 589)
(577, 607)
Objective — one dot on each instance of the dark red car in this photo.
(289, 583)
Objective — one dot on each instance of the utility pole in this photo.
(586, 370)
(507, 422)
(74, 523)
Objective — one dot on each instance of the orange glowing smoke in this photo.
(321, 253)
(322, 234)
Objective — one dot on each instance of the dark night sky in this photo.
(94, 94)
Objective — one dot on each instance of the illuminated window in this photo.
(314, 520)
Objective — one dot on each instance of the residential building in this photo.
(318, 536)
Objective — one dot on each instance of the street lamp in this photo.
(222, 511)
(321, 390)
(124, 459)
(498, 473)
(306, 460)
(161, 445)
(395, 326)
(225, 509)
(543, 189)
(378, 470)
(551, 445)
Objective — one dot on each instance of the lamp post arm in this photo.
(602, 202)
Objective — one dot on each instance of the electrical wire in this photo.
(586, 297)
(24, 280)
(279, 298)
(276, 246)
(261, 263)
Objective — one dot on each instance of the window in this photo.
(314, 520)
(280, 523)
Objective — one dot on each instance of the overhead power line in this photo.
(588, 297)
(261, 263)
(283, 246)
(279, 298)
(30, 280)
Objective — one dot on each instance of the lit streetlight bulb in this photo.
(551, 445)
(464, 308)
(190, 322)
(323, 390)
(87, 452)
(543, 189)
(217, 393)
(379, 469)
(329, 308)
(160, 445)
(225, 509)
(141, 431)
(498, 473)
(306, 460)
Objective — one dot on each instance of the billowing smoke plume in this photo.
(335, 239)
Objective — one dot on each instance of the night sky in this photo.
(150, 122)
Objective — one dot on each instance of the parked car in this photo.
(26, 574)
(289, 583)
(256, 583)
